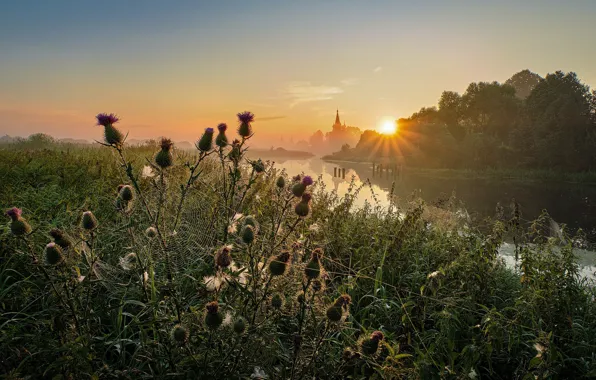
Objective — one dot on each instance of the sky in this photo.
(175, 67)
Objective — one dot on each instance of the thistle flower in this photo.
(205, 143)
(298, 189)
(235, 152)
(281, 182)
(221, 140)
(370, 345)
(18, 225)
(258, 166)
(222, 257)
(88, 221)
(245, 118)
(112, 136)
(336, 311)
(164, 157)
(313, 268)
(53, 254)
(151, 232)
(276, 301)
(60, 238)
(239, 325)
(302, 208)
(125, 193)
(179, 334)
(307, 180)
(213, 318)
(248, 234)
(278, 265)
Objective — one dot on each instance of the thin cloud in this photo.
(269, 118)
(303, 92)
(377, 69)
(350, 81)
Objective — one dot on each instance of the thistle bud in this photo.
(298, 189)
(245, 118)
(278, 265)
(313, 268)
(276, 301)
(125, 193)
(205, 143)
(112, 136)
(213, 318)
(88, 221)
(334, 313)
(239, 325)
(235, 152)
(60, 238)
(258, 166)
(221, 140)
(250, 220)
(179, 334)
(18, 225)
(222, 257)
(151, 232)
(53, 254)
(370, 345)
(164, 157)
(281, 182)
(302, 209)
(248, 234)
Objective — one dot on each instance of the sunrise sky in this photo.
(175, 67)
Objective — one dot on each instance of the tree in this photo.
(449, 113)
(317, 140)
(523, 83)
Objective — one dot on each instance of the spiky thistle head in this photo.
(164, 157)
(205, 143)
(298, 189)
(221, 140)
(212, 307)
(60, 238)
(88, 221)
(280, 182)
(106, 119)
(14, 213)
(377, 335)
(125, 193)
(222, 127)
(258, 166)
(245, 118)
(151, 232)
(165, 143)
(279, 263)
(179, 334)
(307, 180)
(277, 301)
(306, 197)
(239, 325)
(53, 254)
(316, 254)
(343, 301)
(248, 234)
(112, 135)
(223, 259)
(370, 345)
(213, 318)
(250, 220)
(302, 208)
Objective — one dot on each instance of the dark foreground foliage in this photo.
(214, 266)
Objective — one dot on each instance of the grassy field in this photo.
(210, 265)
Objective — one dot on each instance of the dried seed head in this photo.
(88, 221)
(278, 265)
(53, 254)
(258, 166)
(213, 318)
(223, 259)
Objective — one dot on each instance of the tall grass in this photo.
(212, 270)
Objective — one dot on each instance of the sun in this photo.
(388, 127)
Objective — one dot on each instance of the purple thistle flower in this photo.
(307, 180)
(246, 117)
(209, 130)
(222, 127)
(106, 119)
(14, 212)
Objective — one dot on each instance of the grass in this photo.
(128, 301)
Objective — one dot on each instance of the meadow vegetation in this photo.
(149, 262)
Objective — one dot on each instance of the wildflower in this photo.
(298, 189)
(151, 232)
(307, 180)
(313, 268)
(433, 274)
(205, 143)
(258, 374)
(88, 221)
(235, 153)
(258, 166)
(239, 325)
(245, 118)
(248, 234)
(125, 193)
(222, 257)
(18, 225)
(336, 311)
(277, 301)
(53, 254)
(179, 334)
(147, 172)
(278, 265)
(112, 135)
(281, 182)
(213, 318)
(540, 349)
(128, 261)
(227, 321)
(314, 227)
(213, 283)
(302, 208)
(370, 345)
(221, 140)
(164, 157)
